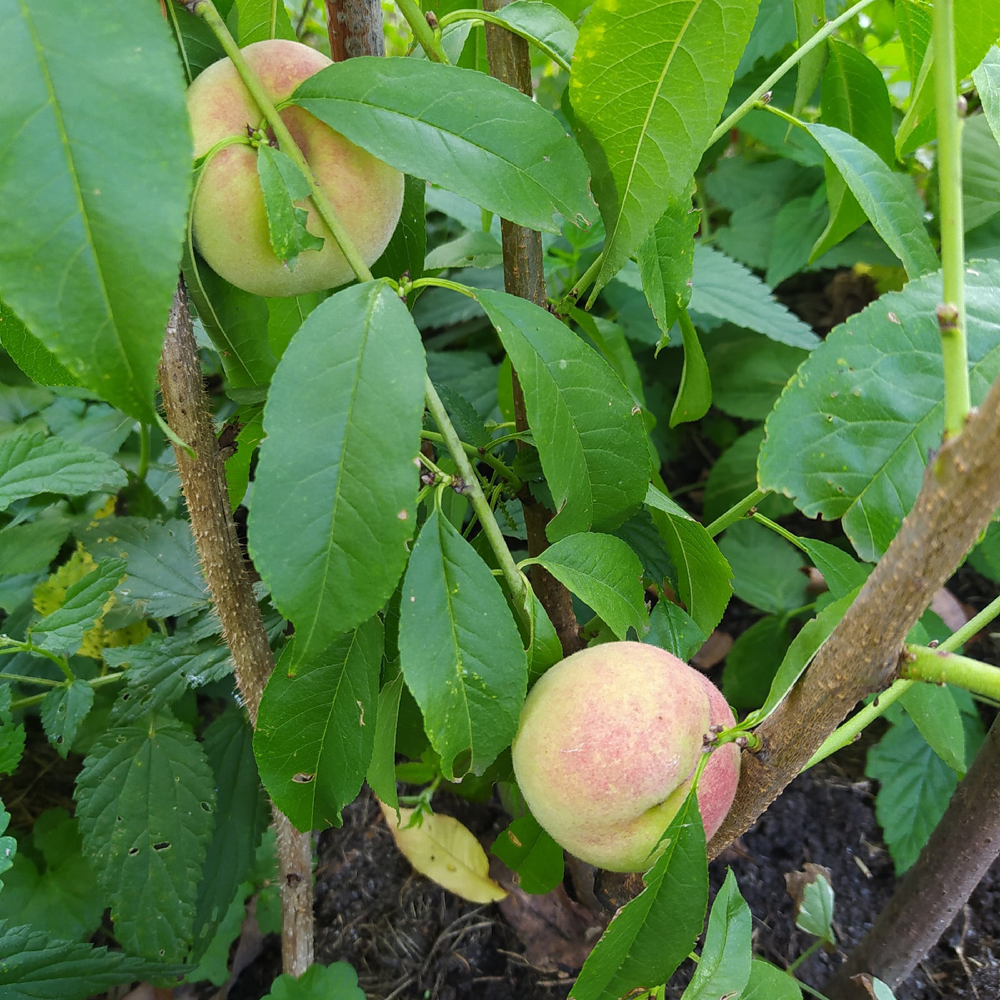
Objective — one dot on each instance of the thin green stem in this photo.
(443, 283)
(429, 39)
(779, 530)
(975, 624)
(800, 53)
(811, 990)
(569, 300)
(205, 9)
(736, 512)
(939, 666)
(951, 312)
(34, 699)
(480, 456)
(25, 679)
(485, 16)
(812, 949)
(477, 498)
(143, 452)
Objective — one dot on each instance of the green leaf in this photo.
(145, 806)
(651, 935)
(694, 397)
(649, 82)
(471, 249)
(773, 29)
(534, 857)
(769, 983)
(734, 476)
(702, 571)
(587, 427)
(753, 661)
(673, 629)
(283, 184)
(11, 733)
(724, 967)
(841, 571)
(242, 816)
(855, 100)
(94, 193)
(814, 914)
(517, 161)
(810, 15)
(8, 845)
(888, 199)
(408, 245)
(316, 727)
(319, 982)
(63, 711)
(980, 173)
(62, 631)
(381, 776)
(258, 20)
(936, 716)
(604, 573)
(748, 546)
(986, 77)
(800, 222)
(30, 547)
(238, 465)
(882, 991)
(546, 649)
(916, 787)
(40, 967)
(284, 317)
(30, 354)
(163, 574)
(31, 464)
(460, 650)
(852, 432)
(544, 25)
(332, 549)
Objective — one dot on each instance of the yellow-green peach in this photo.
(228, 217)
(607, 746)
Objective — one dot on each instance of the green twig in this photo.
(143, 452)
(814, 947)
(951, 312)
(25, 679)
(429, 39)
(939, 666)
(480, 455)
(800, 53)
(736, 512)
(205, 9)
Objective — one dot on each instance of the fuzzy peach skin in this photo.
(606, 749)
(228, 217)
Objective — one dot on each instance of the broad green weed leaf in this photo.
(936, 715)
(673, 629)
(11, 733)
(36, 966)
(283, 184)
(724, 967)
(257, 20)
(916, 787)
(748, 546)
(30, 354)
(767, 982)
(460, 650)
(649, 81)
(8, 846)
(63, 712)
(587, 427)
(986, 77)
(337, 981)
(145, 805)
(94, 192)
(332, 549)
(604, 573)
(516, 161)
(534, 857)
(851, 434)
(316, 727)
(651, 935)
(30, 547)
(31, 464)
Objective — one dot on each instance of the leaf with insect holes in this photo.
(447, 852)
(283, 184)
(8, 845)
(63, 712)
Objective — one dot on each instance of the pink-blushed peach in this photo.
(229, 222)
(607, 746)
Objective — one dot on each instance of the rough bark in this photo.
(354, 28)
(524, 276)
(203, 481)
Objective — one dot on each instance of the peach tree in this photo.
(343, 399)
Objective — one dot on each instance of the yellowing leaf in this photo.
(447, 852)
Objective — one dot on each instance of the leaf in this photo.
(772, 31)
(841, 572)
(258, 20)
(649, 82)
(381, 776)
(8, 847)
(30, 354)
(41, 967)
(62, 631)
(810, 15)
(242, 816)
(238, 465)
(702, 571)
(888, 199)
(936, 716)
(88, 259)
(651, 935)
(604, 573)
(747, 546)
(331, 550)
(813, 902)
(769, 983)
(408, 245)
(534, 857)
(475, 249)
(145, 806)
(672, 629)
(980, 173)
(337, 981)
(63, 712)
(460, 651)
(283, 184)
(753, 661)
(724, 967)
(916, 787)
(587, 427)
(30, 547)
(734, 476)
(161, 559)
(316, 727)
(644, 539)
(31, 464)
(851, 434)
(986, 77)
(517, 161)
(446, 852)
(544, 25)
(11, 734)
(855, 100)
(694, 397)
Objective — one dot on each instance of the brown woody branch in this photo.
(203, 481)
(524, 276)
(354, 28)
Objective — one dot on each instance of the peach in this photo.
(607, 746)
(228, 216)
